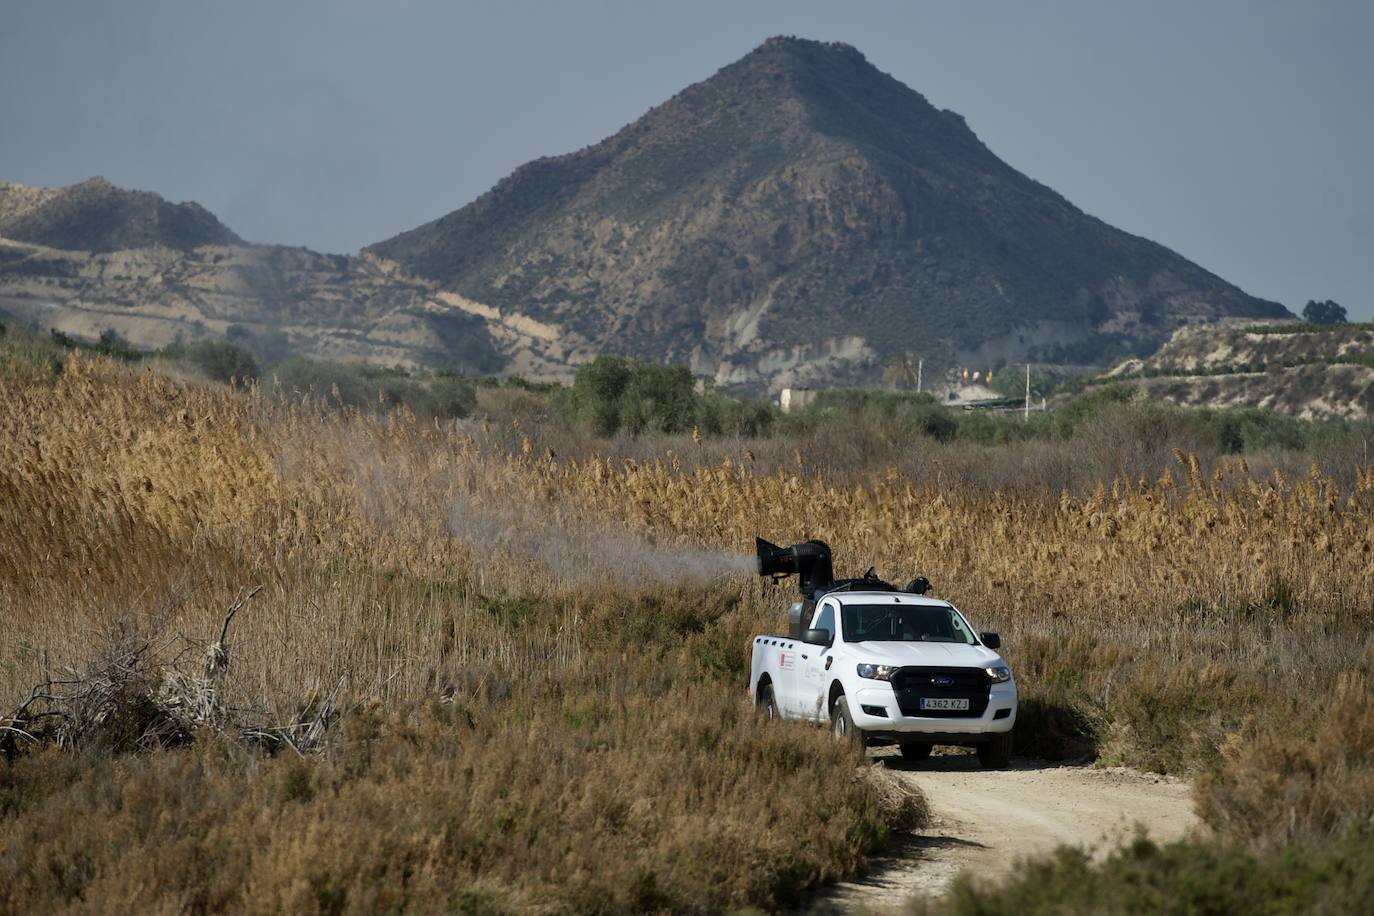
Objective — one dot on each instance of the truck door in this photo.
(787, 660)
(812, 674)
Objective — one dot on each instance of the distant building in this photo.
(960, 395)
(795, 398)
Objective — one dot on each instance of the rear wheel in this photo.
(916, 750)
(764, 703)
(995, 754)
(842, 726)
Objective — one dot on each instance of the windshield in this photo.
(904, 623)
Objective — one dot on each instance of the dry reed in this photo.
(1148, 620)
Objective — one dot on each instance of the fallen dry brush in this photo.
(107, 704)
(138, 694)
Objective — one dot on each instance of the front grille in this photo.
(913, 682)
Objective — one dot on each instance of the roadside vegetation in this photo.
(643, 408)
(497, 662)
(1306, 327)
(1350, 359)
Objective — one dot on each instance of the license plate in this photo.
(944, 702)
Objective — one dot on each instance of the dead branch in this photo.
(218, 659)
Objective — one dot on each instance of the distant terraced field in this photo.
(1300, 370)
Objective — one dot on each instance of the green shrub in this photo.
(369, 387)
(110, 344)
(612, 394)
(598, 388)
(453, 396)
(220, 360)
(268, 347)
(1010, 382)
(933, 421)
(1069, 417)
(1187, 876)
(338, 383)
(28, 354)
(1303, 328)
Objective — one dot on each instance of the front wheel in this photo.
(842, 726)
(996, 754)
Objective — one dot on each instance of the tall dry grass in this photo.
(522, 730)
(568, 614)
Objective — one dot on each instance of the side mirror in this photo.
(991, 640)
(817, 637)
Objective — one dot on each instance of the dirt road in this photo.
(985, 820)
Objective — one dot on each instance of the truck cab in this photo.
(888, 666)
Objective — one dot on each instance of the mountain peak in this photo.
(801, 47)
(791, 63)
(802, 217)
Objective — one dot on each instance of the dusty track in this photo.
(984, 821)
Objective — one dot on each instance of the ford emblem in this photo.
(942, 681)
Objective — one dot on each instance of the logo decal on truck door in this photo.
(785, 661)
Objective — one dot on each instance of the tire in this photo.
(916, 750)
(765, 704)
(843, 728)
(996, 754)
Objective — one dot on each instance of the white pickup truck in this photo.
(882, 664)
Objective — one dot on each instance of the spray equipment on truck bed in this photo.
(810, 562)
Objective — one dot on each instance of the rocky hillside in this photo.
(96, 216)
(93, 258)
(1300, 370)
(801, 217)
(328, 306)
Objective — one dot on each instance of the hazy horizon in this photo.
(1236, 135)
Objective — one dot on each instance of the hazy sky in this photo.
(1237, 133)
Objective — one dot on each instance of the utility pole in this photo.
(1026, 419)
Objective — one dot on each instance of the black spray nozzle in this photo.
(918, 586)
(810, 560)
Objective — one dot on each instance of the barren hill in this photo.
(96, 216)
(92, 258)
(329, 306)
(801, 217)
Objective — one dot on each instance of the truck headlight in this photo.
(998, 674)
(876, 672)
